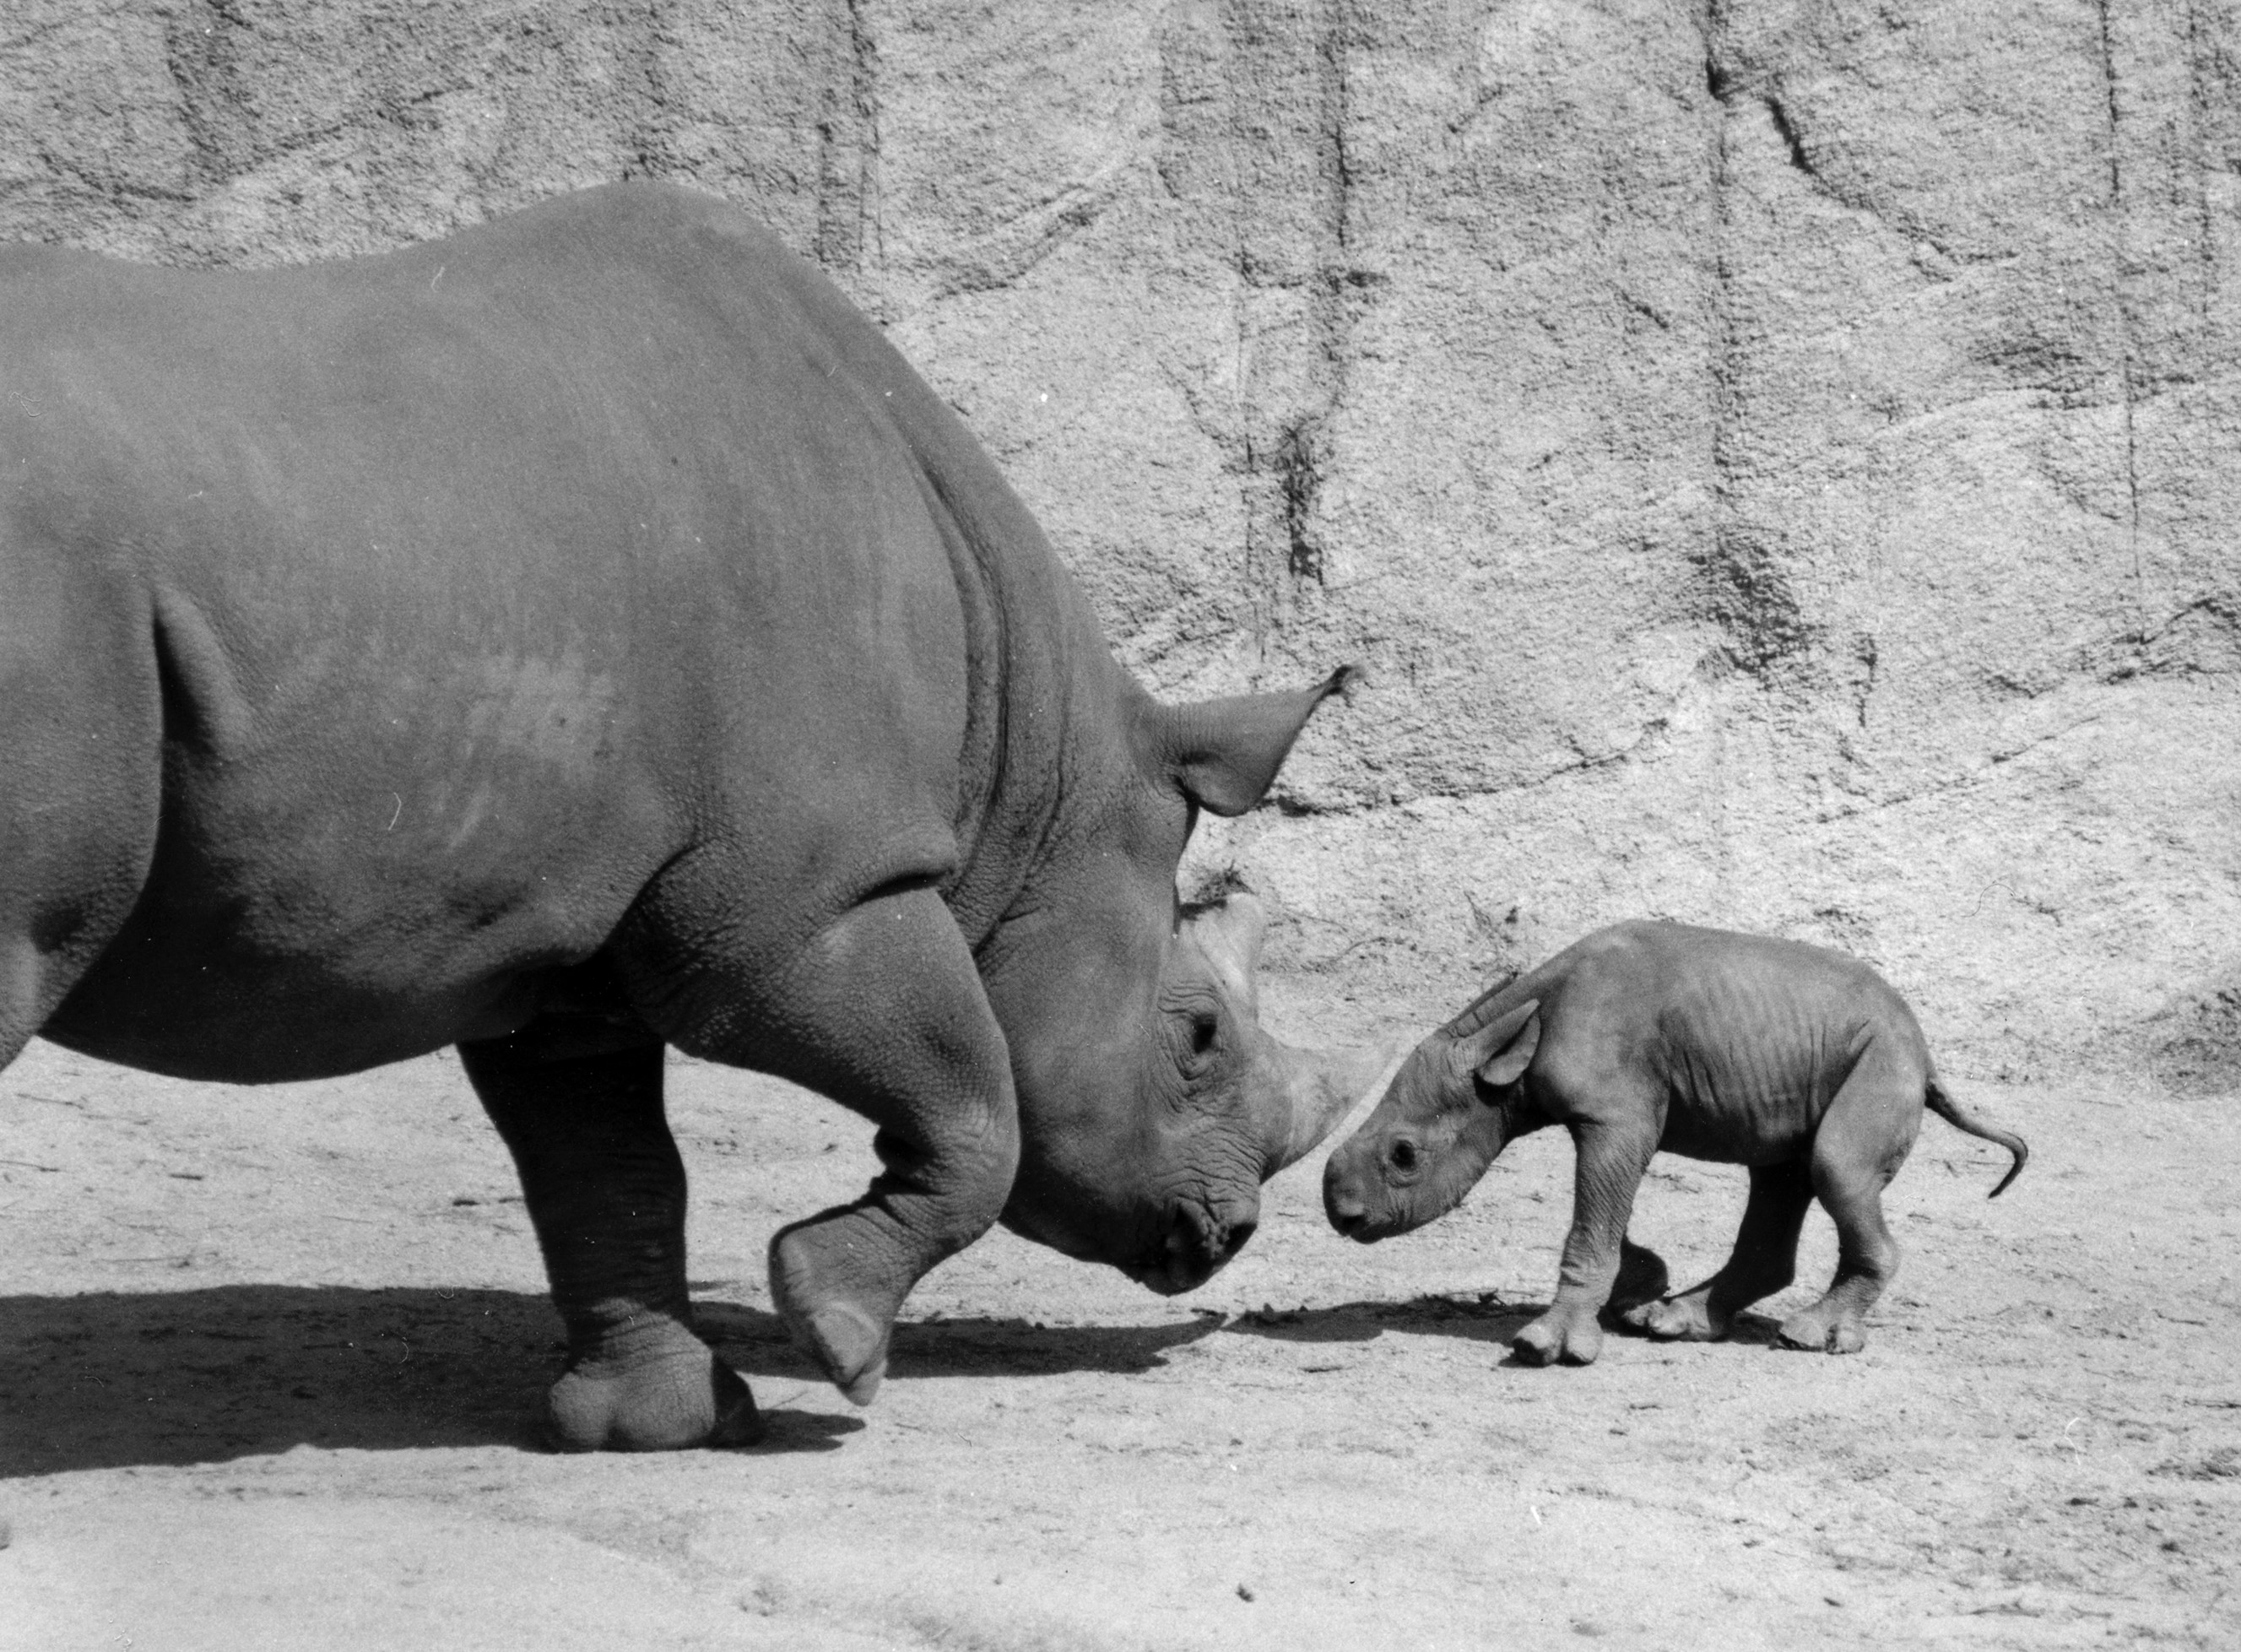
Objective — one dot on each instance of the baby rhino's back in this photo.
(1744, 1038)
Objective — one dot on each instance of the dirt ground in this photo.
(265, 1356)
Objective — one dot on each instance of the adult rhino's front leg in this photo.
(606, 1191)
(884, 1012)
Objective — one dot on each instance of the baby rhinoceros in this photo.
(1799, 1062)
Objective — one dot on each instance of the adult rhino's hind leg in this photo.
(1765, 1261)
(605, 1190)
(883, 1011)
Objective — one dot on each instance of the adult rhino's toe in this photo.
(836, 1298)
(852, 1350)
(687, 1399)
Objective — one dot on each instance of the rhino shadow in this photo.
(173, 1378)
(1486, 1319)
(1489, 1318)
(756, 1341)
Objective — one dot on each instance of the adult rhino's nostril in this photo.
(1195, 1246)
(1178, 1269)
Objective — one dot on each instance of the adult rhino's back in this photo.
(409, 613)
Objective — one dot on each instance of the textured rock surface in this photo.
(1779, 461)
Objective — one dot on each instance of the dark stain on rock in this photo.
(2195, 1045)
(1738, 584)
(1302, 480)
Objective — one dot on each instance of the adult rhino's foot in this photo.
(1563, 1335)
(1823, 1329)
(835, 1280)
(1678, 1319)
(667, 1397)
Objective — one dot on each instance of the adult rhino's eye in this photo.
(1203, 1031)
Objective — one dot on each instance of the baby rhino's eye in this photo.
(1401, 1155)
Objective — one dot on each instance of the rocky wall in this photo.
(1778, 460)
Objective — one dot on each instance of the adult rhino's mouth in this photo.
(1193, 1249)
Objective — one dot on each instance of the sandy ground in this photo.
(265, 1356)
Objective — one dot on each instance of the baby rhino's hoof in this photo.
(1817, 1332)
(1683, 1320)
(1555, 1337)
(669, 1405)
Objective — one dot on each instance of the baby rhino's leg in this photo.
(1612, 1156)
(1642, 1278)
(1863, 1141)
(1765, 1259)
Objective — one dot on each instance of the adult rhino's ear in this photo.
(1502, 1048)
(1224, 753)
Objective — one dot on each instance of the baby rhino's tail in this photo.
(1942, 1104)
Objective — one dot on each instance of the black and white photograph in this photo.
(1120, 825)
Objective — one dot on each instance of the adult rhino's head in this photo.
(1152, 1104)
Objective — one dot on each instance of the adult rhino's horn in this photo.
(1320, 1088)
(1224, 753)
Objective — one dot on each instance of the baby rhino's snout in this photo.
(1342, 1198)
(1359, 1177)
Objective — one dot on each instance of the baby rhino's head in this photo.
(1443, 1118)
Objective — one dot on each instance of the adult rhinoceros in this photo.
(586, 634)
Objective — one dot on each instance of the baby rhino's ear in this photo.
(1502, 1051)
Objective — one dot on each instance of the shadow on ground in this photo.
(1489, 1318)
(947, 1347)
(114, 1380)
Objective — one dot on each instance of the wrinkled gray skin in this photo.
(1798, 1063)
(586, 635)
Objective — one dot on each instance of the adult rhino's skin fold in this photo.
(583, 635)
